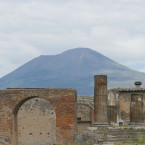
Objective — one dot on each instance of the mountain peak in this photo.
(79, 50)
(74, 68)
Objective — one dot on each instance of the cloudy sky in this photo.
(29, 28)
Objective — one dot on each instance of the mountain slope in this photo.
(74, 68)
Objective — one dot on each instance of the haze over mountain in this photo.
(74, 68)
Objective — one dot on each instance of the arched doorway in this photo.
(35, 123)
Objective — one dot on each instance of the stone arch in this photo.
(85, 111)
(85, 115)
(87, 104)
(21, 108)
(87, 100)
(63, 101)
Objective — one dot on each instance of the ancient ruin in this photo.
(127, 105)
(32, 116)
(37, 116)
(125, 114)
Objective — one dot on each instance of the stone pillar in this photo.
(100, 99)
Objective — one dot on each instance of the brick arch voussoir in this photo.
(20, 102)
(86, 104)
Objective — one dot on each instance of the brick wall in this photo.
(63, 102)
(85, 112)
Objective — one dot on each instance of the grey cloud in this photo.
(30, 28)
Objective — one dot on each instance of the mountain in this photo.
(74, 68)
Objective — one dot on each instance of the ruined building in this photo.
(50, 116)
(37, 116)
(127, 105)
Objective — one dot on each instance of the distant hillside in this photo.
(74, 68)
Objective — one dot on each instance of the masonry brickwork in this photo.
(130, 104)
(85, 112)
(62, 103)
(54, 116)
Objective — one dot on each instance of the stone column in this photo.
(100, 99)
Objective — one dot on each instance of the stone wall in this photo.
(12, 104)
(125, 107)
(122, 100)
(112, 98)
(85, 112)
(86, 100)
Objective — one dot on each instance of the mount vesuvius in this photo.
(74, 68)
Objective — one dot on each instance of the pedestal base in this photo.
(100, 124)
